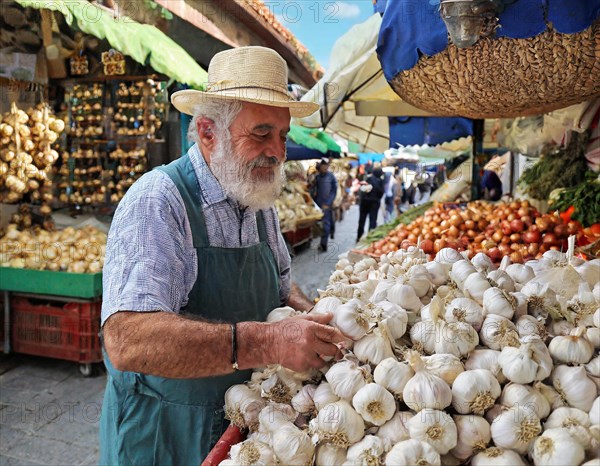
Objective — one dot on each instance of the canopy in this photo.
(142, 42)
(431, 130)
(411, 29)
(313, 139)
(299, 152)
(354, 96)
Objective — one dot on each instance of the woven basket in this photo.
(506, 78)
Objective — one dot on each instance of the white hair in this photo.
(222, 113)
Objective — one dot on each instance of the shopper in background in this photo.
(325, 190)
(195, 262)
(371, 193)
(389, 188)
(491, 186)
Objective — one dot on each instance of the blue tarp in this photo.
(299, 152)
(408, 131)
(412, 28)
(363, 159)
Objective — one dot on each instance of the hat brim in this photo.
(188, 100)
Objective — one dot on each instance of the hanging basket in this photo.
(506, 78)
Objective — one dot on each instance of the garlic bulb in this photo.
(571, 349)
(339, 424)
(329, 455)
(292, 445)
(395, 430)
(425, 390)
(448, 256)
(485, 359)
(251, 452)
(553, 397)
(475, 391)
(494, 412)
(394, 317)
(281, 313)
(595, 412)
(374, 347)
(500, 279)
(405, 297)
(435, 428)
(374, 403)
(465, 310)
(497, 332)
(589, 271)
(528, 325)
(527, 397)
(516, 429)
(242, 406)
(346, 377)
(437, 273)
(520, 273)
(393, 375)
(413, 452)
(445, 366)
(381, 290)
(274, 415)
(541, 300)
(461, 271)
(368, 451)
(495, 456)
(557, 447)
(592, 334)
(326, 305)
(574, 386)
(352, 319)
(575, 421)
(323, 396)
(342, 291)
(473, 435)
(303, 400)
(280, 387)
(475, 286)
(483, 263)
(529, 362)
(581, 307)
(499, 302)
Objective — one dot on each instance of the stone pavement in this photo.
(49, 412)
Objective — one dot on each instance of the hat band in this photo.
(270, 89)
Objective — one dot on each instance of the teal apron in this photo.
(148, 420)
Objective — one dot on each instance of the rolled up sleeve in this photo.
(147, 251)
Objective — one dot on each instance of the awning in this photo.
(354, 96)
(313, 139)
(144, 43)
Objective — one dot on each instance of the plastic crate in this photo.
(298, 236)
(56, 329)
(77, 285)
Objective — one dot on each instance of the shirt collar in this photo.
(210, 188)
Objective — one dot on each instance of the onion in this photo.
(549, 239)
(561, 231)
(517, 226)
(516, 257)
(542, 223)
(515, 237)
(532, 236)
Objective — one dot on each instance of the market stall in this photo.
(84, 116)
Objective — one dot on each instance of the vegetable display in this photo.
(515, 229)
(583, 199)
(69, 250)
(449, 361)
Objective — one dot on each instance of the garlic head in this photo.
(374, 403)
(435, 428)
(556, 447)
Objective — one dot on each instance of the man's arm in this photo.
(169, 345)
(298, 300)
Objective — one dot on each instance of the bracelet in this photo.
(234, 363)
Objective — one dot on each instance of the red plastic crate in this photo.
(56, 329)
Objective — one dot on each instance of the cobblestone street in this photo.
(49, 412)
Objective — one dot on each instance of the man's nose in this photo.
(277, 150)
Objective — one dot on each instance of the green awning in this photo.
(144, 43)
(313, 139)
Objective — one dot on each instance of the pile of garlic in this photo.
(453, 361)
(74, 250)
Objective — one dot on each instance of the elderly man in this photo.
(195, 261)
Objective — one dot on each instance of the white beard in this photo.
(237, 179)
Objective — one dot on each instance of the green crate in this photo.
(75, 285)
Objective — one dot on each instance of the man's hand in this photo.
(300, 342)
(324, 207)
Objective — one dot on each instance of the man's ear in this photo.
(206, 136)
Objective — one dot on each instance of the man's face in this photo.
(249, 166)
(323, 168)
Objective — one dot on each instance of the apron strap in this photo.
(183, 175)
(262, 229)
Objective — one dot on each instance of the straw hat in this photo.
(250, 74)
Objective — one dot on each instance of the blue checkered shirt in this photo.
(151, 264)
